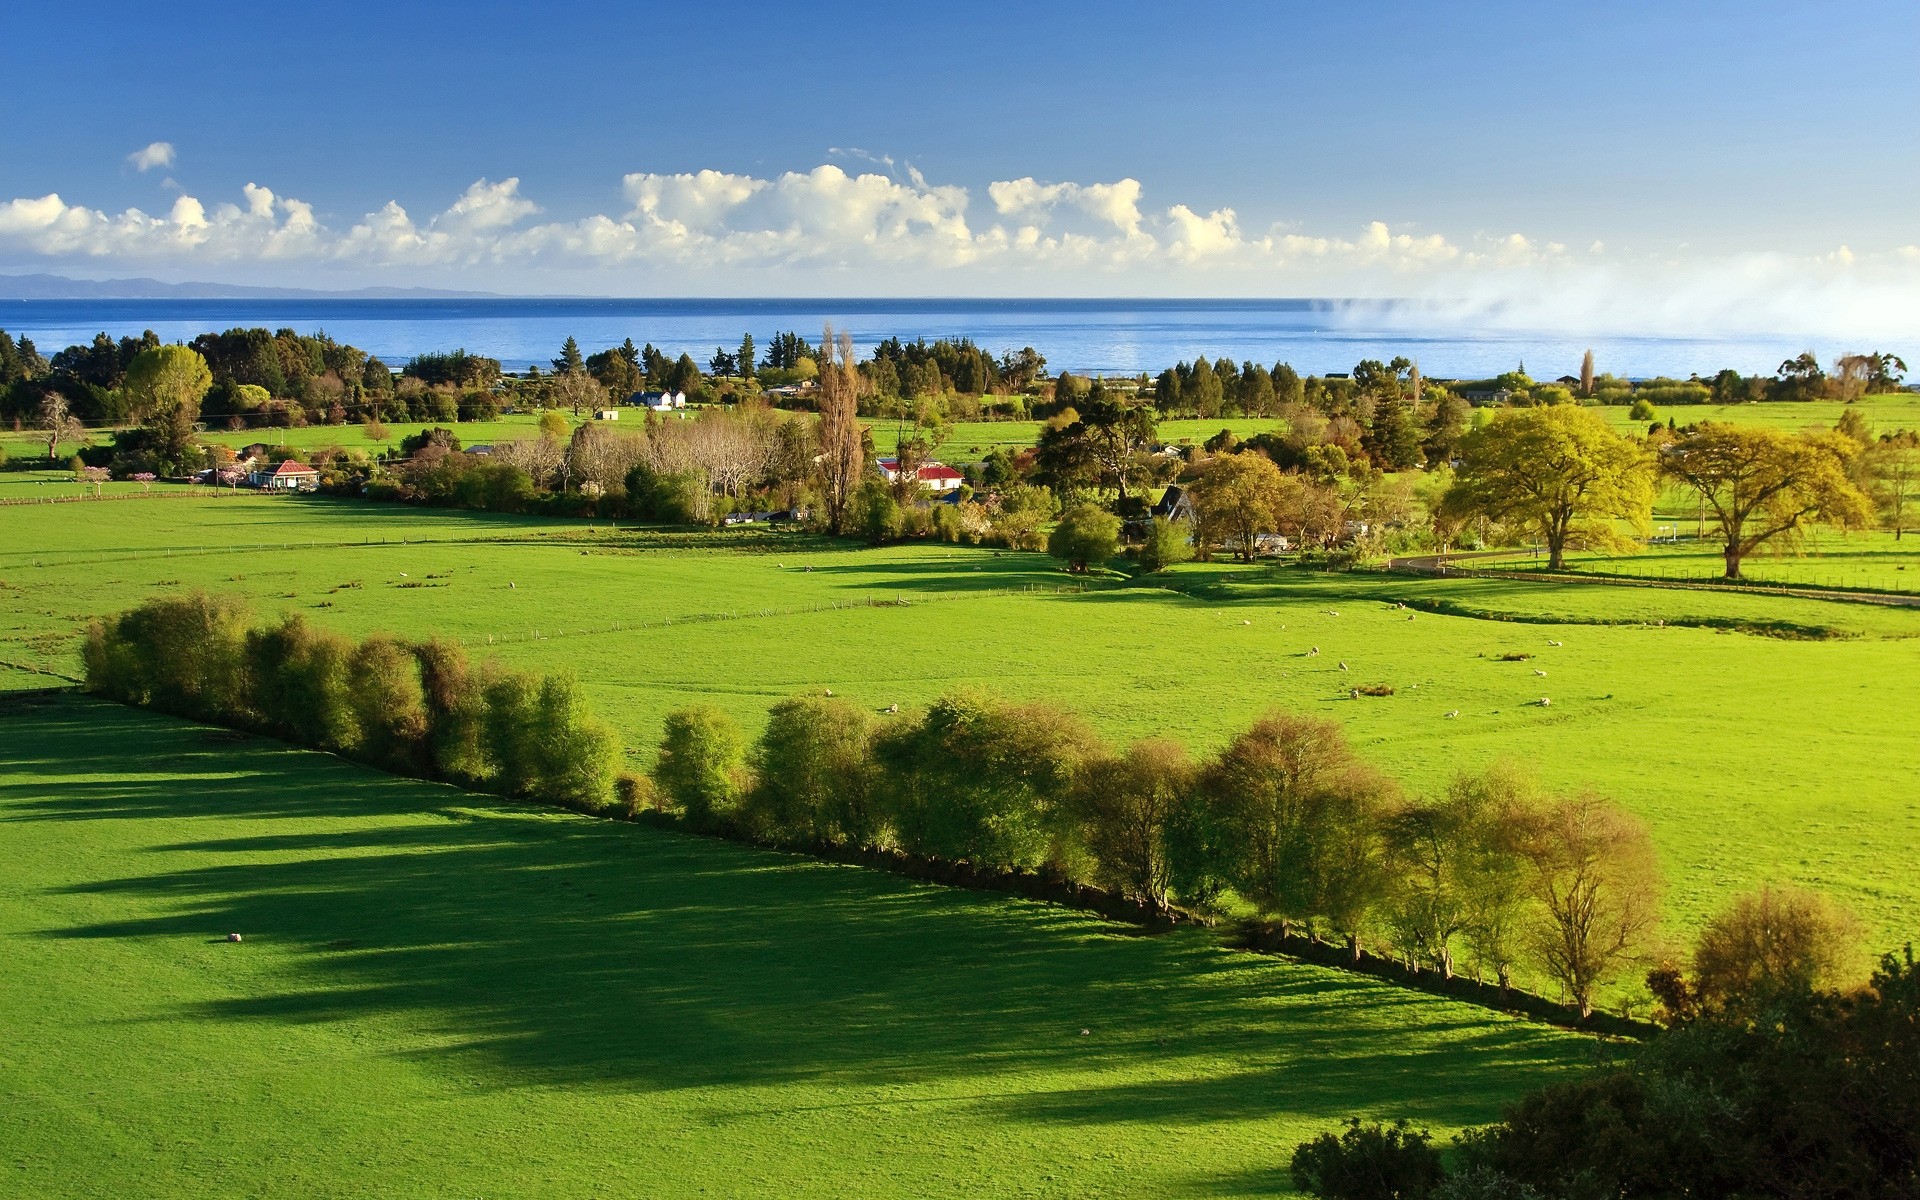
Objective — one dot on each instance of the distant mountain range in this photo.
(59, 287)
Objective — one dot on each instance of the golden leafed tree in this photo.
(1767, 487)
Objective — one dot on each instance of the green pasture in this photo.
(1871, 560)
(438, 994)
(1886, 413)
(1763, 737)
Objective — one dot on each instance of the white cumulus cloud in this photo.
(829, 228)
(153, 154)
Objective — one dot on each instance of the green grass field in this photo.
(439, 994)
(1871, 560)
(1753, 757)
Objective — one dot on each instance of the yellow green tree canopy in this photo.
(1767, 486)
(1558, 474)
(168, 383)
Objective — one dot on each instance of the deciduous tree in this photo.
(1771, 942)
(1766, 486)
(1591, 868)
(1556, 473)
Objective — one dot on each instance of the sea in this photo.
(1097, 337)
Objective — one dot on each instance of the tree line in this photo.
(1495, 873)
(1776, 1076)
(413, 708)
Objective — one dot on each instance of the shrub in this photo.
(813, 773)
(180, 654)
(1167, 543)
(455, 700)
(700, 768)
(1642, 410)
(389, 707)
(1776, 941)
(300, 686)
(1369, 1162)
(1086, 536)
(982, 780)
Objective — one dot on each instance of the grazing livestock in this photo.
(1538, 671)
(1453, 714)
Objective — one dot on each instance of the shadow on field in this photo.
(536, 947)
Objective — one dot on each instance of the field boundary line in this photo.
(1442, 569)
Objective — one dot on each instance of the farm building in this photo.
(606, 414)
(659, 401)
(936, 477)
(289, 476)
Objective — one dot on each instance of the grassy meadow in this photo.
(440, 994)
(1753, 756)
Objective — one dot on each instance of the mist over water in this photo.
(1113, 337)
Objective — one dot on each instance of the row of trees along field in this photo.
(1769, 1081)
(414, 708)
(1494, 873)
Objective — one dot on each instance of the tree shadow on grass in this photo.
(535, 947)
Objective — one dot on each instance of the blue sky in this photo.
(1258, 148)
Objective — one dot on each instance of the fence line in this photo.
(189, 494)
(899, 601)
(1445, 571)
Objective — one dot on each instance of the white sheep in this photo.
(893, 708)
(1453, 714)
(1246, 622)
(1545, 703)
(1538, 671)
(1343, 666)
(1551, 642)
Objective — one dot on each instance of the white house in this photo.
(936, 477)
(659, 401)
(289, 476)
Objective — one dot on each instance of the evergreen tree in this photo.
(569, 361)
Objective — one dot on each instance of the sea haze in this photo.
(1115, 337)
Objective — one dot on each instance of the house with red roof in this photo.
(289, 476)
(936, 477)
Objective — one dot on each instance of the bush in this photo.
(700, 768)
(1167, 543)
(1642, 410)
(813, 772)
(1369, 1162)
(1086, 536)
(981, 780)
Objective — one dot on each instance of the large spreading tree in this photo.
(1557, 473)
(1766, 486)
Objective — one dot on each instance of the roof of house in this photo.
(931, 472)
(291, 467)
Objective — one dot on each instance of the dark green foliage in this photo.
(456, 368)
(1369, 1162)
(1811, 1095)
